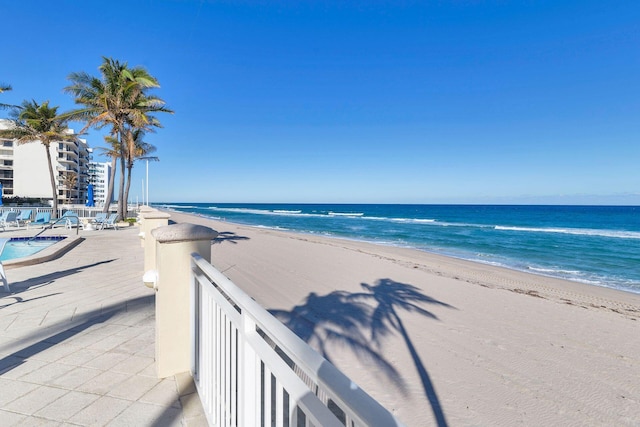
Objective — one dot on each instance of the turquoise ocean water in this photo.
(598, 245)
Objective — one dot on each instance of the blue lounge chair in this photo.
(110, 222)
(24, 217)
(42, 218)
(99, 218)
(71, 219)
(8, 218)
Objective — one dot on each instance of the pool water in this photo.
(19, 247)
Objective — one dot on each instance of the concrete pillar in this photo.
(151, 220)
(174, 246)
(140, 219)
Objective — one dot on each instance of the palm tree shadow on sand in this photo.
(334, 319)
(389, 298)
(361, 321)
(228, 236)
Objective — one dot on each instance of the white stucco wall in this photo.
(30, 170)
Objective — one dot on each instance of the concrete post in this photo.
(151, 220)
(174, 246)
(141, 212)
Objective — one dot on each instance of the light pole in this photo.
(147, 184)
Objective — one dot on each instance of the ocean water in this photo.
(598, 245)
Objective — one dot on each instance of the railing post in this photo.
(150, 220)
(174, 246)
(143, 210)
(249, 381)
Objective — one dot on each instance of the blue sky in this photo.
(355, 102)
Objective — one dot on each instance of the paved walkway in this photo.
(77, 341)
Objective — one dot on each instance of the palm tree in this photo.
(137, 149)
(39, 122)
(114, 153)
(69, 182)
(5, 88)
(118, 99)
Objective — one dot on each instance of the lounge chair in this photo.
(42, 218)
(99, 218)
(7, 218)
(71, 219)
(110, 222)
(24, 217)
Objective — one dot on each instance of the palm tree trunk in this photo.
(128, 186)
(122, 202)
(54, 190)
(112, 178)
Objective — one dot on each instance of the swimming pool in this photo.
(20, 247)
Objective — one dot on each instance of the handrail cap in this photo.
(154, 215)
(183, 232)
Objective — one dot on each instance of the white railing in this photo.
(251, 370)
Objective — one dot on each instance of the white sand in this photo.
(491, 346)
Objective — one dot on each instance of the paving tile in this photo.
(27, 366)
(8, 363)
(13, 389)
(107, 329)
(10, 419)
(77, 376)
(103, 383)
(58, 316)
(142, 414)
(61, 336)
(133, 365)
(149, 371)
(106, 360)
(47, 373)
(85, 340)
(131, 331)
(133, 346)
(80, 357)
(6, 319)
(165, 393)
(54, 352)
(35, 400)
(108, 343)
(24, 323)
(67, 406)
(191, 405)
(101, 412)
(133, 388)
(149, 350)
(33, 421)
(29, 350)
(197, 421)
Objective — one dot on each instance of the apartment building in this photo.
(99, 174)
(24, 170)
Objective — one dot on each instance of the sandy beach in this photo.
(442, 341)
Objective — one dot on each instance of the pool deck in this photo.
(77, 341)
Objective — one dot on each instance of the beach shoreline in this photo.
(479, 344)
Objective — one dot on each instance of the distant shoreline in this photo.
(465, 263)
(517, 265)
